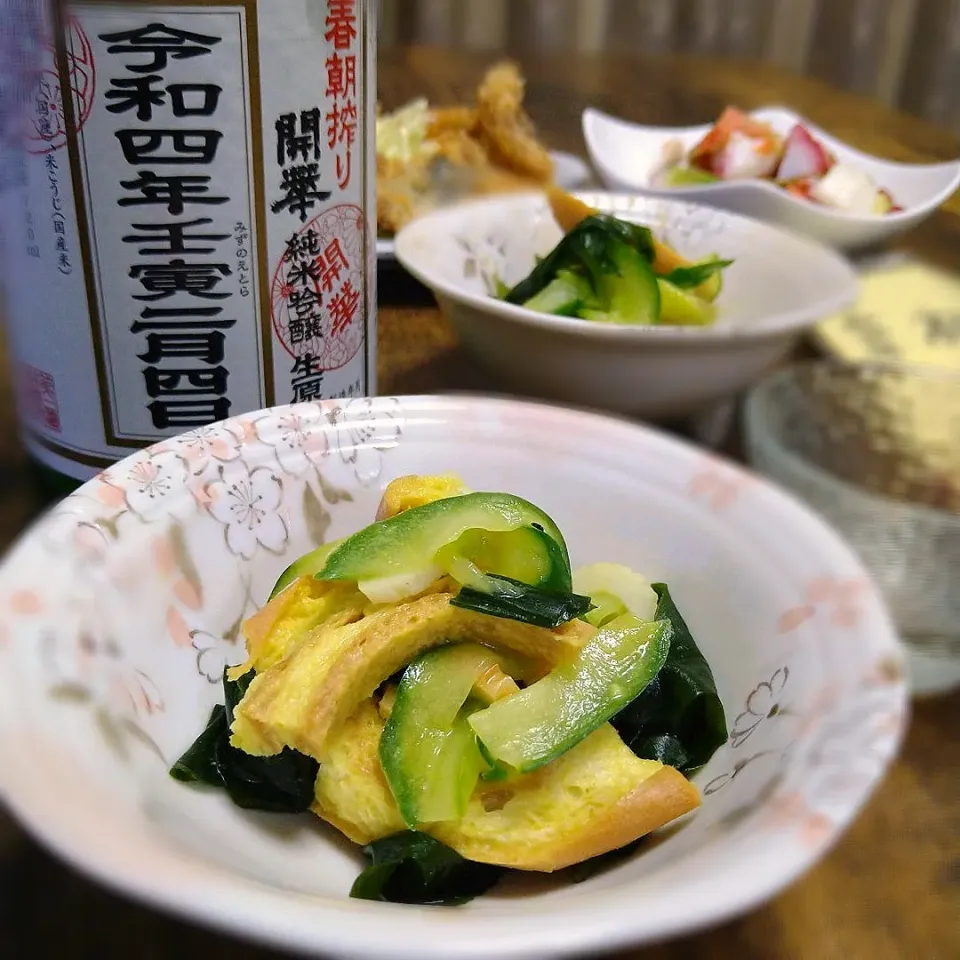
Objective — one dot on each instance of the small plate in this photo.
(627, 155)
(571, 172)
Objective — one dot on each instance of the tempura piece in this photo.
(506, 127)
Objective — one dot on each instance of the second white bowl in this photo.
(779, 286)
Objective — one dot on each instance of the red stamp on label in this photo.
(38, 396)
(317, 300)
(47, 127)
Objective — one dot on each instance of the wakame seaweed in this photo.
(412, 867)
(524, 603)
(280, 784)
(679, 719)
(687, 278)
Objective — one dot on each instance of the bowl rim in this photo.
(592, 116)
(758, 430)
(788, 321)
(243, 907)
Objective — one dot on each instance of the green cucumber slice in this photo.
(309, 565)
(539, 724)
(394, 558)
(563, 297)
(615, 590)
(628, 295)
(527, 555)
(607, 607)
(688, 177)
(428, 752)
(683, 308)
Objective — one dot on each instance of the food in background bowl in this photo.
(441, 688)
(740, 147)
(428, 156)
(472, 254)
(609, 270)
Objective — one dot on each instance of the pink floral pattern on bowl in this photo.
(121, 608)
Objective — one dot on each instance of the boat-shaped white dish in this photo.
(627, 156)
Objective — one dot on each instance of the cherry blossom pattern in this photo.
(152, 482)
(83, 537)
(22, 604)
(887, 672)
(791, 810)
(838, 598)
(849, 750)
(825, 701)
(764, 703)
(23, 611)
(90, 671)
(367, 428)
(245, 430)
(217, 652)
(171, 561)
(760, 795)
(205, 446)
(725, 779)
(298, 436)
(719, 485)
(107, 489)
(213, 655)
(247, 503)
(852, 744)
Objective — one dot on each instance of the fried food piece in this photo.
(465, 151)
(452, 119)
(506, 128)
(397, 205)
(497, 180)
(401, 189)
(406, 493)
(460, 149)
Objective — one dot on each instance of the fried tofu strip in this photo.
(301, 701)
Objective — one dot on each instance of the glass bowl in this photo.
(875, 449)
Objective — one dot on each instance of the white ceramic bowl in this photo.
(570, 172)
(779, 286)
(627, 155)
(121, 607)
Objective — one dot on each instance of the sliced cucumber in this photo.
(687, 177)
(537, 725)
(710, 289)
(682, 308)
(527, 555)
(607, 607)
(615, 590)
(428, 752)
(631, 295)
(564, 296)
(309, 565)
(391, 559)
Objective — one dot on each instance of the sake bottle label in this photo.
(189, 225)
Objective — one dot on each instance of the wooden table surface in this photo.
(891, 888)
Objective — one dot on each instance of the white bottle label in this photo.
(194, 234)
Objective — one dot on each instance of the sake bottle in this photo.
(187, 215)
